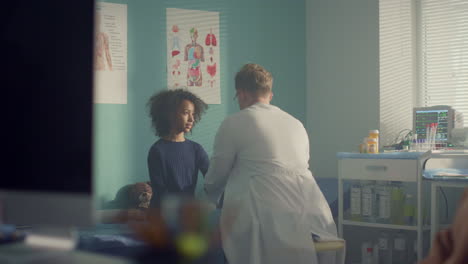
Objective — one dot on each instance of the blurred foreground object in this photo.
(450, 245)
(179, 231)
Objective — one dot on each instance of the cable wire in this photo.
(446, 203)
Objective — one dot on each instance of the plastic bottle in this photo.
(413, 143)
(366, 253)
(375, 134)
(413, 255)
(355, 201)
(408, 210)
(363, 146)
(396, 211)
(372, 146)
(375, 253)
(385, 252)
(399, 249)
(368, 201)
(383, 198)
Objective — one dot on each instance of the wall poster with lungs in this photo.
(193, 60)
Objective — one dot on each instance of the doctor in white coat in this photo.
(272, 204)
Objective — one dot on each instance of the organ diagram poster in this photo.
(110, 53)
(193, 60)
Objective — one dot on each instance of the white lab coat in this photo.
(272, 203)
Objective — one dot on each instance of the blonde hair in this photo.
(254, 79)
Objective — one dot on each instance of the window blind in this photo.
(444, 54)
(396, 62)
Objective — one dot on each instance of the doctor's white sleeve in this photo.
(222, 161)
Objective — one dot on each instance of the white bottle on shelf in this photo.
(375, 253)
(413, 254)
(385, 248)
(383, 197)
(367, 253)
(368, 201)
(399, 254)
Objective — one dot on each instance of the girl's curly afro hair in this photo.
(163, 107)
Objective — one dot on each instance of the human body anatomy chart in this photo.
(193, 52)
(110, 53)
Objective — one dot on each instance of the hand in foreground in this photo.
(450, 245)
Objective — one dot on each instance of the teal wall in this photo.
(343, 78)
(259, 31)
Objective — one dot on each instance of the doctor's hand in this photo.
(449, 246)
(442, 248)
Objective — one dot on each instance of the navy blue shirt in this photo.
(173, 167)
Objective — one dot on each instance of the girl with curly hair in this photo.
(173, 160)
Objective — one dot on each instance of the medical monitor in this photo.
(47, 51)
(442, 115)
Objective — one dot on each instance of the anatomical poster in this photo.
(110, 53)
(193, 44)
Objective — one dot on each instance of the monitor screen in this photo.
(47, 111)
(424, 118)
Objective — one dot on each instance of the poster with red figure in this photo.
(193, 60)
(110, 53)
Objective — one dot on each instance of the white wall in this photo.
(342, 78)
